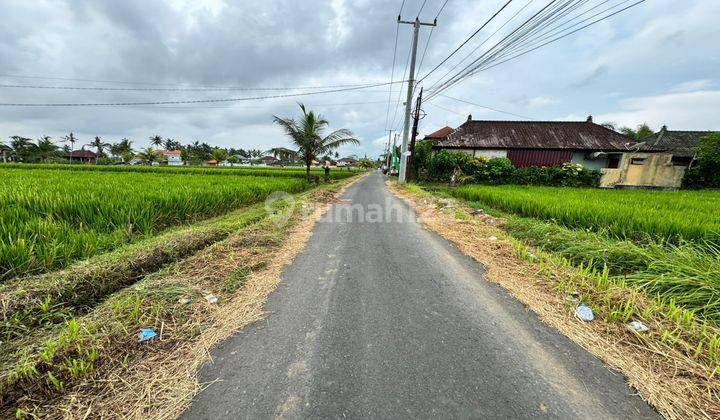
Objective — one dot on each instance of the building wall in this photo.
(174, 160)
(644, 170)
(579, 157)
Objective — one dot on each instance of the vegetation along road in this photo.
(381, 318)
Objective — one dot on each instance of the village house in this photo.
(270, 161)
(173, 157)
(81, 156)
(538, 143)
(658, 161)
(346, 161)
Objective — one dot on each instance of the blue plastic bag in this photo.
(146, 334)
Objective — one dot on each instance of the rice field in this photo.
(50, 218)
(666, 216)
(265, 171)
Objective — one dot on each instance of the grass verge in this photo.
(674, 366)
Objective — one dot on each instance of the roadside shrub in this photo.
(499, 170)
(705, 173)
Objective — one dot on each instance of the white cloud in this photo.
(693, 85)
(680, 111)
(539, 101)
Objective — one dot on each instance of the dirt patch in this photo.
(676, 384)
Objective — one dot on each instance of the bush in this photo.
(499, 170)
(705, 173)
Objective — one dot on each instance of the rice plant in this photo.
(639, 215)
(50, 218)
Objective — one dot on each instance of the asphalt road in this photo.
(382, 319)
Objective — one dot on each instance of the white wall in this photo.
(599, 163)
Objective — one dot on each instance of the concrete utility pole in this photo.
(388, 152)
(411, 85)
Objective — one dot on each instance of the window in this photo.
(681, 160)
(637, 161)
(613, 161)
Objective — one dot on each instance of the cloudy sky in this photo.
(658, 63)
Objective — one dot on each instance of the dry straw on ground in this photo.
(160, 384)
(678, 386)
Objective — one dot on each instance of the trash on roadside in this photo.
(184, 300)
(493, 238)
(211, 298)
(584, 312)
(638, 326)
(146, 334)
(531, 256)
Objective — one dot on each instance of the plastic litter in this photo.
(638, 326)
(584, 312)
(211, 298)
(146, 334)
(184, 300)
(493, 238)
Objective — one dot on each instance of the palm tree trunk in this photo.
(307, 169)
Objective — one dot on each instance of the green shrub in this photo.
(705, 173)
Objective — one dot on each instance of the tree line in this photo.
(45, 150)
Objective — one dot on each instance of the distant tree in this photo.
(46, 149)
(642, 131)
(171, 144)
(705, 169)
(219, 154)
(24, 149)
(156, 140)
(233, 159)
(185, 155)
(337, 155)
(366, 163)
(122, 148)
(307, 136)
(610, 125)
(149, 155)
(71, 139)
(99, 146)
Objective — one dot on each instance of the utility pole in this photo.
(414, 134)
(411, 85)
(388, 152)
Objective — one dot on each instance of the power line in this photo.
(392, 74)
(421, 8)
(196, 89)
(513, 43)
(432, 29)
(465, 42)
(197, 101)
(486, 107)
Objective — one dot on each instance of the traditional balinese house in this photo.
(537, 143)
(81, 156)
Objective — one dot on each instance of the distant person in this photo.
(326, 167)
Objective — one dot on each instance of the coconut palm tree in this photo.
(122, 148)
(46, 149)
(149, 155)
(219, 154)
(99, 146)
(156, 140)
(307, 135)
(70, 138)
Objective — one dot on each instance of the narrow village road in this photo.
(382, 319)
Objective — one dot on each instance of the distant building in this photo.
(660, 161)
(81, 156)
(270, 161)
(211, 163)
(174, 157)
(537, 143)
(657, 161)
(346, 161)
